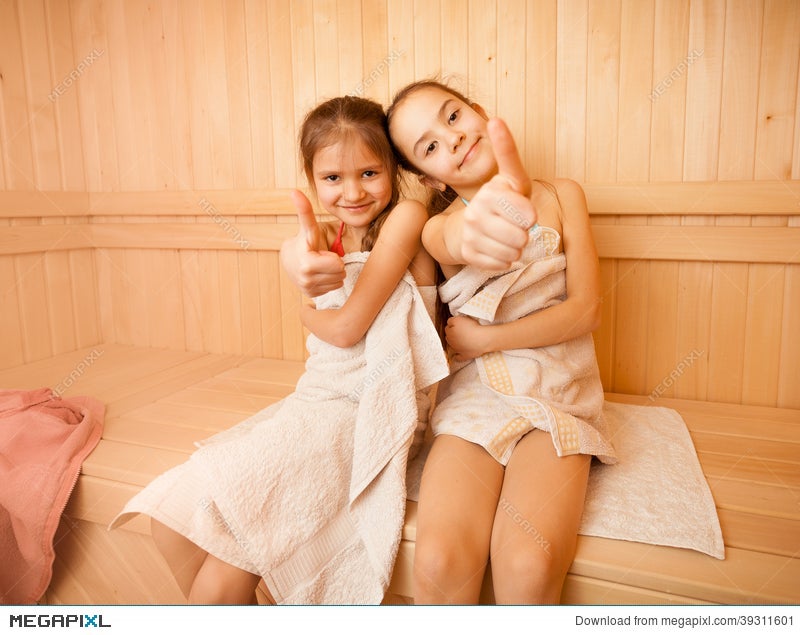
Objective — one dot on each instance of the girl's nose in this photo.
(455, 139)
(353, 190)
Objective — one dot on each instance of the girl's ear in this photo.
(431, 182)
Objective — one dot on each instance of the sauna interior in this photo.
(147, 149)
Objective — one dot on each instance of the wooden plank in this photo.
(747, 447)
(635, 81)
(703, 67)
(571, 75)
(789, 371)
(768, 197)
(206, 236)
(130, 464)
(740, 77)
(228, 402)
(755, 470)
(34, 239)
(744, 577)
(34, 313)
(541, 81)
(703, 243)
(756, 532)
(763, 197)
(668, 94)
(602, 91)
(777, 90)
(762, 348)
(11, 352)
(256, 27)
(582, 590)
(694, 282)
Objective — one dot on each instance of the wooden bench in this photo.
(171, 308)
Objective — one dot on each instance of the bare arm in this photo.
(577, 315)
(397, 244)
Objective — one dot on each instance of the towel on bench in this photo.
(650, 487)
(43, 441)
(310, 493)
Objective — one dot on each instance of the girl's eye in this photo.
(331, 178)
(431, 147)
(369, 173)
(453, 116)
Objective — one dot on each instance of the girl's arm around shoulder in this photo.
(397, 244)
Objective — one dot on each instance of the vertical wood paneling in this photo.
(702, 65)
(776, 96)
(571, 96)
(728, 314)
(540, 75)
(668, 96)
(602, 91)
(635, 82)
(351, 46)
(70, 150)
(281, 91)
(17, 147)
(740, 70)
(39, 84)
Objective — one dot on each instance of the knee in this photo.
(533, 574)
(442, 562)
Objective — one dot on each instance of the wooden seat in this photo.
(159, 402)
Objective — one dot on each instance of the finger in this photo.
(509, 165)
(306, 218)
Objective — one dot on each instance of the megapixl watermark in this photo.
(57, 620)
(524, 524)
(676, 73)
(77, 372)
(224, 222)
(64, 85)
(685, 364)
(379, 69)
(375, 373)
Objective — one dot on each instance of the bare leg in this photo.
(183, 556)
(458, 498)
(536, 526)
(218, 582)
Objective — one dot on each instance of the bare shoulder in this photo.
(570, 190)
(407, 215)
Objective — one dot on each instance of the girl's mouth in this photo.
(470, 153)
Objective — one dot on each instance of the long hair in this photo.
(438, 200)
(348, 118)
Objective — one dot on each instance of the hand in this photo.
(465, 336)
(314, 272)
(498, 217)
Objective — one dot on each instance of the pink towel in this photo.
(43, 441)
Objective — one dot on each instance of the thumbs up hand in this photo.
(313, 271)
(498, 217)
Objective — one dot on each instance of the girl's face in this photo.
(445, 139)
(351, 182)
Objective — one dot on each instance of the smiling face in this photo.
(351, 182)
(444, 138)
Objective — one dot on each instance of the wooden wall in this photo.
(126, 97)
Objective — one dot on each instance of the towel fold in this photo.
(496, 399)
(44, 439)
(310, 493)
